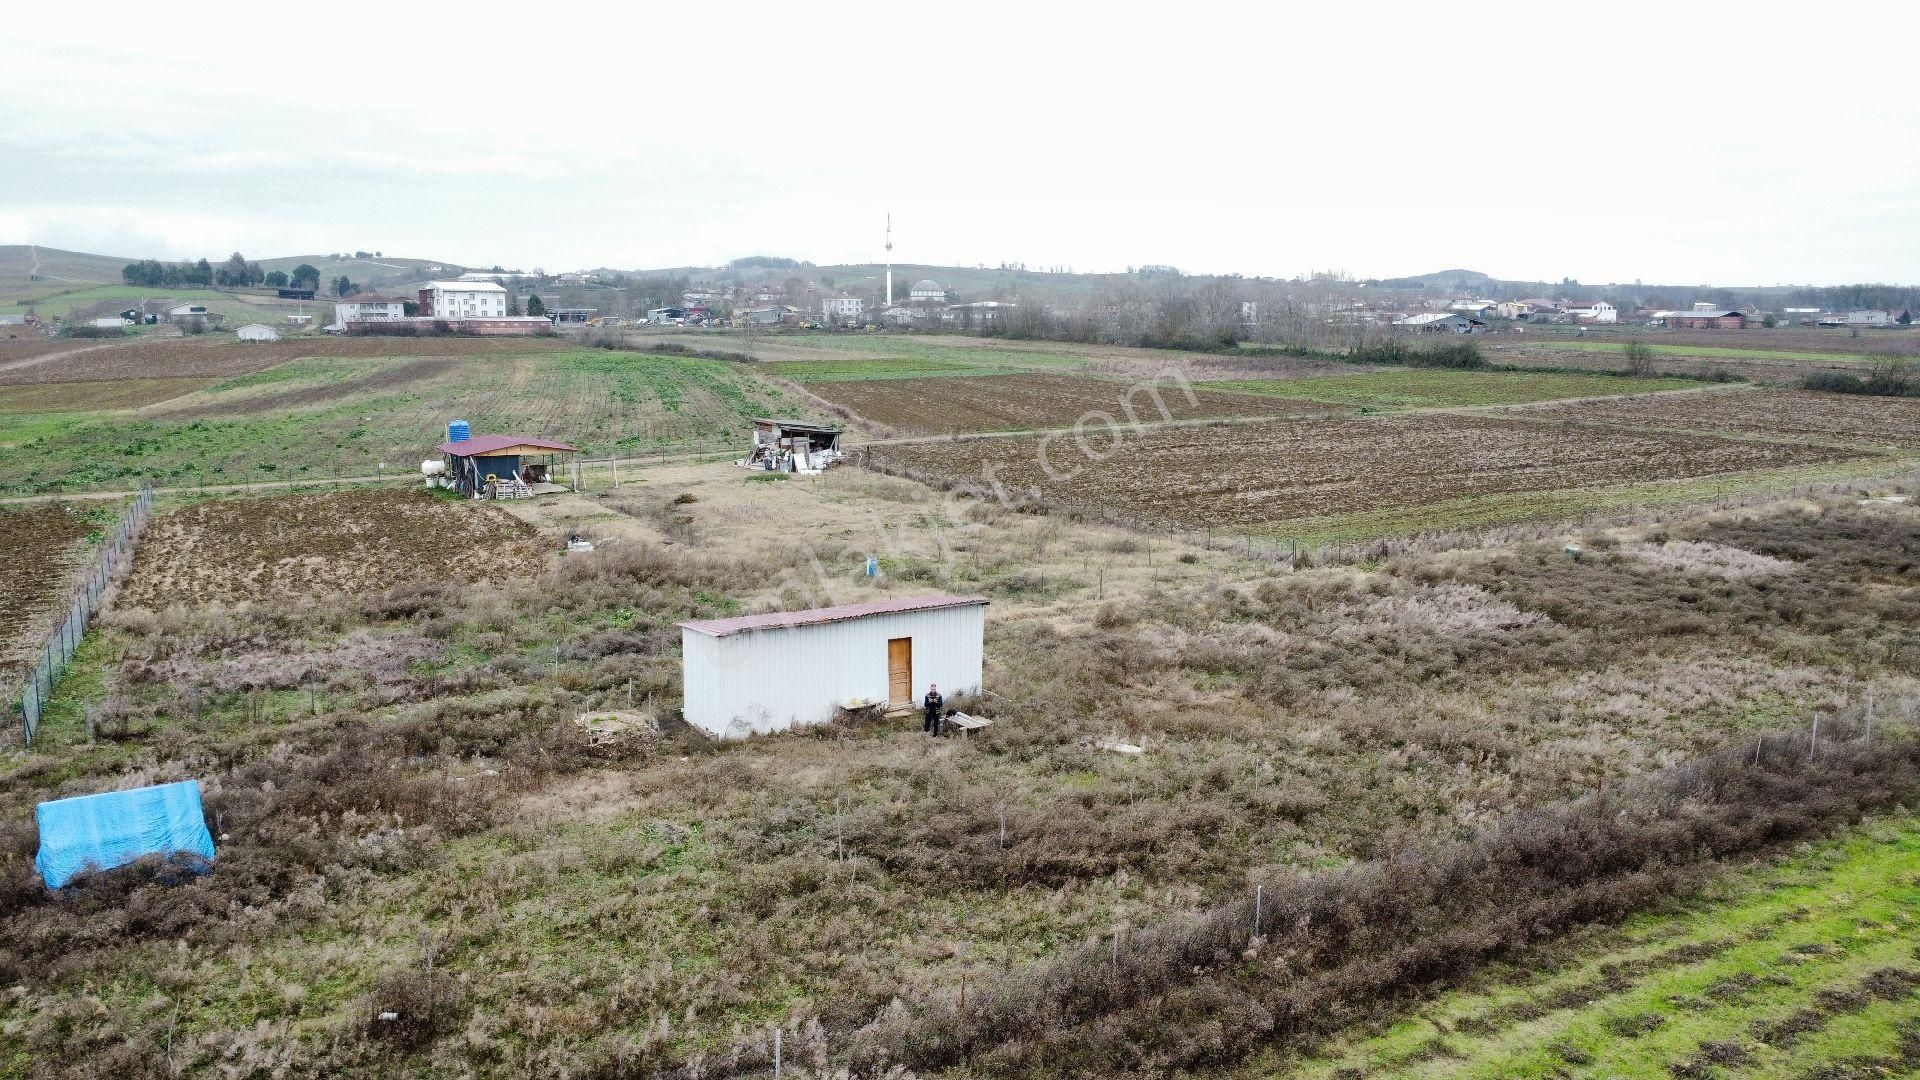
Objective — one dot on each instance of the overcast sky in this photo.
(1729, 144)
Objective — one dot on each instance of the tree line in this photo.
(235, 273)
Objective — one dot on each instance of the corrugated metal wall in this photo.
(770, 680)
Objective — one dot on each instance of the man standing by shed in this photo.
(932, 703)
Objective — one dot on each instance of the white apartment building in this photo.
(453, 300)
(842, 307)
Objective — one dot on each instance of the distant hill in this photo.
(1467, 281)
(24, 265)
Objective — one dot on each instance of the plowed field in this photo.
(934, 406)
(1800, 414)
(41, 544)
(312, 545)
(1256, 474)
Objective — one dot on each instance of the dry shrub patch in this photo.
(1405, 756)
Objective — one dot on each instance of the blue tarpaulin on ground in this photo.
(113, 828)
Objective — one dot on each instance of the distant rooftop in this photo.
(467, 286)
(482, 445)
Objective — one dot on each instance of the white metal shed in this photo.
(761, 673)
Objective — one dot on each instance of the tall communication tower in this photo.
(889, 260)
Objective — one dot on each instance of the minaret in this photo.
(889, 260)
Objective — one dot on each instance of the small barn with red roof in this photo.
(507, 466)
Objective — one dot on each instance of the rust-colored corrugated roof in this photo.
(481, 445)
(778, 620)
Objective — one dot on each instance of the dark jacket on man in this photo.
(932, 703)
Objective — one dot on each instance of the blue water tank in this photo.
(459, 431)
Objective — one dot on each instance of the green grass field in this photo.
(1780, 971)
(910, 360)
(327, 417)
(1442, 388)
(1718, 351)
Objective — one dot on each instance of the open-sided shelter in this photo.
(503, 466)
(761, 673)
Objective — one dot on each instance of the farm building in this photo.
(762, 673)
(792, 446)
(1436, 322)
(500, 466)
(192, 315)
(257, 332)
(1710, 319)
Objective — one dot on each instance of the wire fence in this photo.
(57, 652)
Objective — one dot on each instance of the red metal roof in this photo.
(481, 445)
(777, 620)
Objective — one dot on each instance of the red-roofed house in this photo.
(761, 673)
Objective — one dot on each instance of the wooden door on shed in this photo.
(900, 671)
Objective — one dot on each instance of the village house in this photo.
(1598, 311)
(843, 308)
(361, 307)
